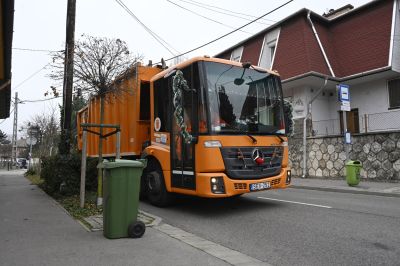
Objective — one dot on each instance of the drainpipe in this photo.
(320, 44)
(315, 96)
(305, 127)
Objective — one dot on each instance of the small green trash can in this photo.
(353, 172)
(121, 198)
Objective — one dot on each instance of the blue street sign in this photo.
(344, 93)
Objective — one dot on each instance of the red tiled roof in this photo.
(360, 42)
(354, 42)
(297, 50)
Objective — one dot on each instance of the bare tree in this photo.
(48, 132)
(3, 137)
(97, 63)
(5, 147)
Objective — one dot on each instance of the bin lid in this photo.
(121, 163)
(358, 163)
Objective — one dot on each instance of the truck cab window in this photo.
(162, 103)
(144, 101)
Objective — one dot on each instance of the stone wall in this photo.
(379, 154)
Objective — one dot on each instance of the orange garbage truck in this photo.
(208, 127)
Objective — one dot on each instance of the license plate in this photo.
(260, 186)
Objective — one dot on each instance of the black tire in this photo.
(143, 187)
(136, 229)
(155, 185)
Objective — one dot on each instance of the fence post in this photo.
(118, 153)
(366, 123)
(83, 170)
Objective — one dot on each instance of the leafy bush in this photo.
(30, 171)
(289, 122)
(62, 174)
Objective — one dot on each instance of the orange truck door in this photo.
(182, 155)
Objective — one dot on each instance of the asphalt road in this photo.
(295, 226)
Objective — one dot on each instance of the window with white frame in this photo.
(237, 54)
(268, 49)
(394, 93)
(272, 50)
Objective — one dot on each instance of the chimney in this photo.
(334, 13)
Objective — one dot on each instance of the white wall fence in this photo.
(377, 122)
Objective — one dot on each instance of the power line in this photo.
(36, 50)
(210, 19)
(229, 33)
(48, 99)
(152, 33)
(227, 10)
(40, 100)
(31, 76)
(204, 6)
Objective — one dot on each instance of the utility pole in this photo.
(346, 138)
(15, 127)
(68, 76)
(344, 98)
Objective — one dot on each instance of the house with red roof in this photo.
(313, 53)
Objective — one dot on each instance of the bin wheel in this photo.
(136, 229)
(155, 186)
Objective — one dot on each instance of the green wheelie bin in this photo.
(353, 172)
(121, 198)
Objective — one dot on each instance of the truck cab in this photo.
(217, 130)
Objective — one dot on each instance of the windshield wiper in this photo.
(282, 140)
(279, 136)
(252, 138)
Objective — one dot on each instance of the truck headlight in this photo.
(288, 177)
(217, 185)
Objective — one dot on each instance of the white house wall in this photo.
(369, 98)
(325, 114)
(372, 98)
(300, 99)
(320, 107)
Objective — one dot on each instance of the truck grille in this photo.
(239, 186)
(240, 162)
(275, 182)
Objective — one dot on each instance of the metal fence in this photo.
(376, 122)
(325, 127)
(386, 121)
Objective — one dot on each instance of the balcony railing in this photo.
(376, 122)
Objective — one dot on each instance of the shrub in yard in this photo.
(30, 171)
(62, 174)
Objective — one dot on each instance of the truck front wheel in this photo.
(155, 186)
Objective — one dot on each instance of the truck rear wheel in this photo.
(155, 186)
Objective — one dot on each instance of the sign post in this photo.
(344, 98)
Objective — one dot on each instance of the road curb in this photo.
(350, 191)
(223, 253)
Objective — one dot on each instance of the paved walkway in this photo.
(35, 230)
(364, 187)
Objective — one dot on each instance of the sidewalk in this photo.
(334, 185)
(35, 230)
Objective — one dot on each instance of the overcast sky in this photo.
(40, 25)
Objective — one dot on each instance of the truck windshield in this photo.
(243, 100)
